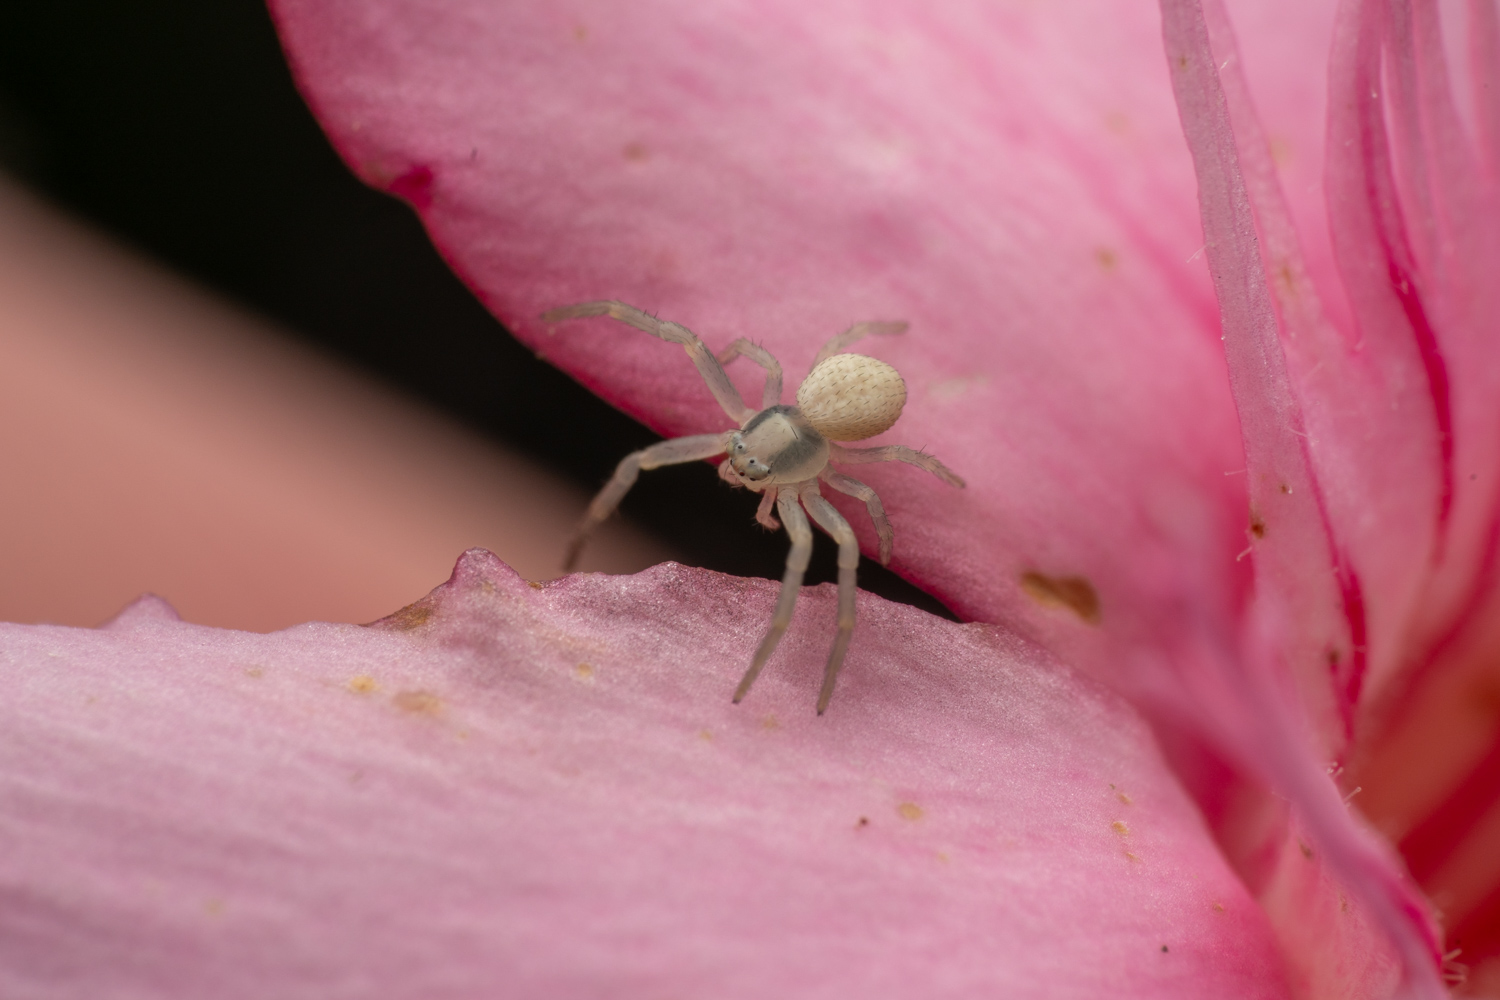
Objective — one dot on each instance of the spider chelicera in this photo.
(781, 452)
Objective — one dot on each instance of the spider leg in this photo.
(831, 521)
(771, 395)
(894, 453)
(854, 488)
(856, 332)
(675, 333)
(791, 582)
(674, 452)
(763, 514)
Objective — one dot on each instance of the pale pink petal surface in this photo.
(542, 790)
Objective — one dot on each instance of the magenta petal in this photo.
(1415, 213)
(1295, 600)
(506, 790)
(1298, 570)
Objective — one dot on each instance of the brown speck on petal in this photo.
(1075, 593)
(408, 619)
(909, 810)
(584, 671)
(1119, 827)
(362, 684)
(418, 702)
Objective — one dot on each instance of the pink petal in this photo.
(1415, 204)
(1011, 180)
(522, 790)
(1259, 371)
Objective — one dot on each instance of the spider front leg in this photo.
(673, 452)
(791, 582)
(894, 453)
(771, 394)
(854, 488)
(859, 331)
(675, 333)
(831, 521)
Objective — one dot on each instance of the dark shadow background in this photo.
(174, 125)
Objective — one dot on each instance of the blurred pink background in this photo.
(155, 439)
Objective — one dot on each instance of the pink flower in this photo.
(544, 792)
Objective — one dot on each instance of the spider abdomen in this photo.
(849, 397)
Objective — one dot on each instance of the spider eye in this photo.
(739, 447)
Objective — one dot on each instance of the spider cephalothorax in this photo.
(782, 452)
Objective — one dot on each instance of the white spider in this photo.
(781, 452)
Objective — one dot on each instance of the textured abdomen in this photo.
(849, 397)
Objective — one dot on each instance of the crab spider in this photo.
(783, 453)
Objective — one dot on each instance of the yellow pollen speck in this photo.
(909, 810)
(487, 586)
(1107, 258)
(1123, 797)
(769, 722)
(254, 672)
(705, 735)
(213, 907)
(418, 702)
(1119, 827)
(943, 857)
(1132, 857)
(584, 671)
(1218, 907)
(363, 684)
(533, 585)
